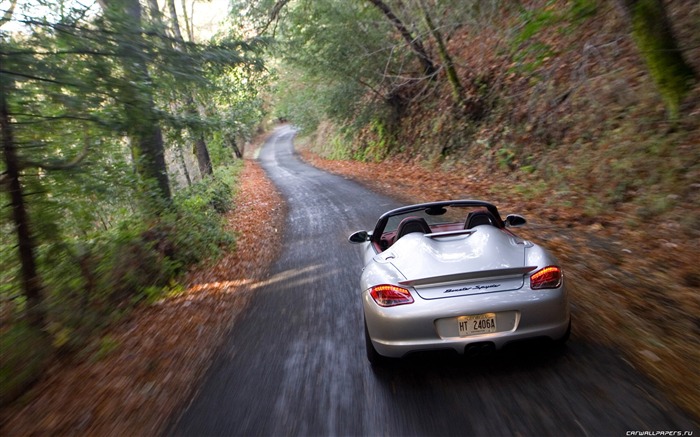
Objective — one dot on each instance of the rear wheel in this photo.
(373, 356)
(562, 341)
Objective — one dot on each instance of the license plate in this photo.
(476, 324)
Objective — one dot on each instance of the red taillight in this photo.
(548, 277)
(390, 295)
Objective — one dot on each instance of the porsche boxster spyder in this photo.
(451, 275)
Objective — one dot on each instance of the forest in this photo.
(122, 135)
(126, 124)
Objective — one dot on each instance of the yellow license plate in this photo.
(476, 324)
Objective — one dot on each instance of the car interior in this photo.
(419, 224)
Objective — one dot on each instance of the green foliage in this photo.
(89, 93)
(582, 9)
(328, 141)
(531, 190)
(528, 50)
(93, 279)
(84, 91)
(235, 102)
(298, 99)
(331, 55)
(25, 351)
(107, 345)
(534, 21)
(340, 147)
(506, 157)
(593, 207)
(379, 144)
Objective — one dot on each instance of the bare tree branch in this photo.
(8, 13)
(56, 165)
(274, 14)
(188, 25)
(414, 43)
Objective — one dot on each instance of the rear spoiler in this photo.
(467, 276)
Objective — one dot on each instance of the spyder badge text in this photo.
(475, 287)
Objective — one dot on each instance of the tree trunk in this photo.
(148, 150)
(7, 15)
(202, 154)
(414, 42)
(231, 141)
(154, 11)
(200, 144)
(452, 77)
(651, 30)
(174, 21)
(31, 282)
(147, 147)
(183, 164)
(188, 24)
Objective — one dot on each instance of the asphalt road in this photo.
(294, 363)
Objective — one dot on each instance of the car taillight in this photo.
(548, 277)
(390, 295)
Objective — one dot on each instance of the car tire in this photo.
(374, 358)
(560, 342)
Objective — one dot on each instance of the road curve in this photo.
(294, 364)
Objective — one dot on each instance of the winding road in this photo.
(294, 364)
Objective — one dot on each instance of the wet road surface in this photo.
(294, 364)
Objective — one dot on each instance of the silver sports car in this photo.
(451, 275)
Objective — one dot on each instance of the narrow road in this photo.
(294, 364)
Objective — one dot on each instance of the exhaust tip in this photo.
(479, 349)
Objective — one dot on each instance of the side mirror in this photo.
(515, 221)
(359, 237)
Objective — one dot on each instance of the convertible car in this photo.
(451, 275)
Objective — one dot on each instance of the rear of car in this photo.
(461, 290)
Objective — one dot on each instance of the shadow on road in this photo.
(534, 386)
(525, 355)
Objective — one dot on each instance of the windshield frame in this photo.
(422, 209)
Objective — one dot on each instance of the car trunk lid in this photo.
(484, 260)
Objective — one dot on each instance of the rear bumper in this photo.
(431, 324)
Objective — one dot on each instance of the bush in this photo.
(92, 281)
(24, 354)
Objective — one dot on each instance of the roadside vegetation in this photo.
(120, 153)
(93, 280)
